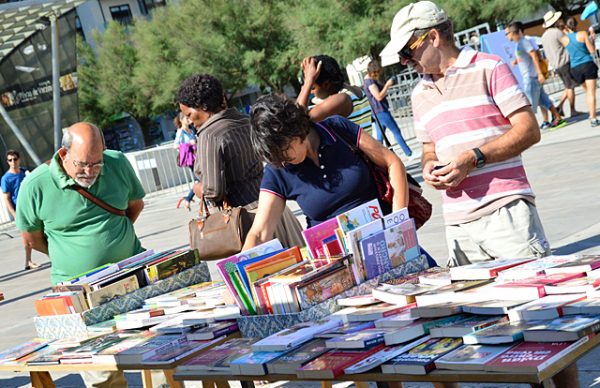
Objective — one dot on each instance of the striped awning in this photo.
(19, 20)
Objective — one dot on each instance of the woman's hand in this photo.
(311, 70)
(389, 82)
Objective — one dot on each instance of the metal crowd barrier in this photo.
(158, 171)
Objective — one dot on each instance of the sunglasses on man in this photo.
(12, 159)
(407, 52)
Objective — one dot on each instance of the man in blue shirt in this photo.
(11, 182)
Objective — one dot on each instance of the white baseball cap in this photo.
(415, 16)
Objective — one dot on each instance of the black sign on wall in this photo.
(26, 90)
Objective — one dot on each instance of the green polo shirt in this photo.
(81, 235)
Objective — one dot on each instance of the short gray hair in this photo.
(67, 140)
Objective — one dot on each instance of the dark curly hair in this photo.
(202, 91)
(330, 71)
(275, 121)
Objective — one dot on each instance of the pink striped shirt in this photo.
(479, 94)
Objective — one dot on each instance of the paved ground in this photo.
(563, 169)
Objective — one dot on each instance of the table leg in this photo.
(147, 378)
(170, 380)
(326, 384)
(361, 384)
(41, 380)
(208, 384)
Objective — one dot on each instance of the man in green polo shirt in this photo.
(77, 234)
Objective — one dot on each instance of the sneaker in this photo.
(545, 125)
(558, 124)
(594, 122)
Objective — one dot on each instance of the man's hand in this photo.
(36, 240)
(431, 179)
(456, 171)
(311, 70)
(134, 208)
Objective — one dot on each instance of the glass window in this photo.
(121, 14)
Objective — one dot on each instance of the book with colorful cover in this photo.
(550, 306)
(133, 260)
(353, 239)
(253, 363)
(332, 364)
(135, 355)
(294, 336)
(112, 291)
(485, 269)
(315, 235)
(581, 264)
(241, 266)
(532, 357)
(401, 294)
(534, 268)
(570, 328)
(507, 332)
(219, 357)
(435, 276)
(270, 265)
(269, 246)
(382, 356)
(421, 359)
(213, 330)
(178, 351)
(172, 265)
(289, 362)
(360, 215)
(471, 357)
(573, 286)
(586, 306)
(95, 345)
(324, 287)
(332, 246)
(23, 349)
(108, 355)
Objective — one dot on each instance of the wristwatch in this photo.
(479, 158)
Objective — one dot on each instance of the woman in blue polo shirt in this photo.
(309, 163)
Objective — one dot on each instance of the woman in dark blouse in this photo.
(309, 163)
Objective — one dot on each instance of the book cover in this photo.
(375, 255)
(53, 306)
(289, 362)
(532, 357)
(549, 307)
(108, 354)
(23, 349)
(241, 265)
(253, 363)
(581, 264)
(470, 357)
(452, 292)
(270, 265)
(485, 269)
(97, 344)
(323, 288)
(112, 291)
(371, 313)
(314, 236)
(470, 324)
(436, 276)
(586, 306)
(534, 268)
(399, 320)
(421, 358)
(135, 354)
(366, 338)
(573, 286)
(332, 364)
(133, 260)
(347, 328)
(213, 330)
(506, 332)
(269, 246)
(437, 310)
(492, 307)
(417, 329)
(360, 215)
(357, 300)
(173, 265)
(174, 353)
(353, 239)
(569, 328)
(295, 335)
(332, 247)
(395, 218)
(219, 357)
(383, 356)
(400, 294)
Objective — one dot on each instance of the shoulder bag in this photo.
(98, 202)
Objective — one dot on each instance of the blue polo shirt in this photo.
(11, 184)
(341, 181)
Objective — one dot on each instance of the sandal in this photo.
(32, 265)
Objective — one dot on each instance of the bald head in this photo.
(82, 152)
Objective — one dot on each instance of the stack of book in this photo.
(107, 282)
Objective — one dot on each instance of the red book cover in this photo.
(57, 305)
(532, 356)
(314, 236)
(333, 363)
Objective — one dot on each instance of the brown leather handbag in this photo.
(219, 234)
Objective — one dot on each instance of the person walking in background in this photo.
(11, 183)
(185, 144)
(528, 59)
(323, 78)
(580, 46)
(558, 56)
(377, 95)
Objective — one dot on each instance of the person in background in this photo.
(313, 164)
(228, 168)
(11, 182)
(528, 59)
(185, 144)
(558, 57)
(580, 46)
(377, 95)
(76, 233)
(488, 203)
(324, 79)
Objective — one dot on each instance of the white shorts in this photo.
(513, 231)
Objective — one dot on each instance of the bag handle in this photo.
(98, 202)
(204, 213)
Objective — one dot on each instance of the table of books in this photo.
(41, 378)
(535, 379)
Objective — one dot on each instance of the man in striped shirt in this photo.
(474, 123)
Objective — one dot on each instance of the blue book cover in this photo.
(243, 264)
(375, 255)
